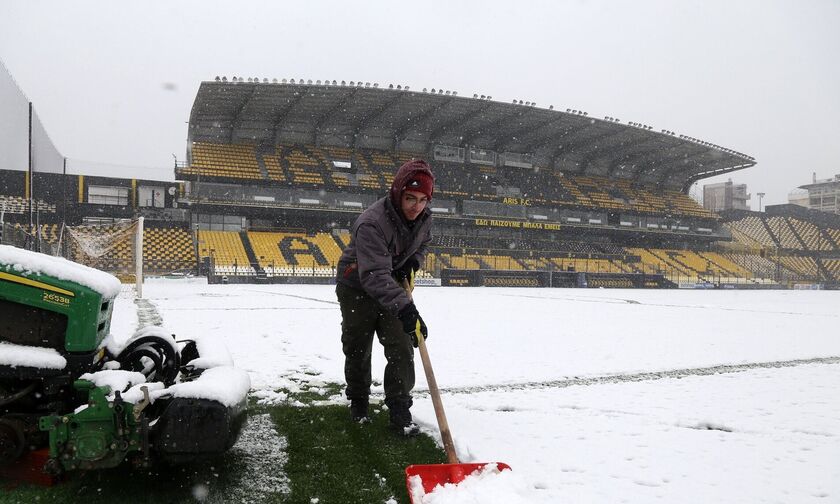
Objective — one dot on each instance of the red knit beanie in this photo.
(420, 182)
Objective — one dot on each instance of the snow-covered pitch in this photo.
(590, 395)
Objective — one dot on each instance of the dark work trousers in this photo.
(361, 316)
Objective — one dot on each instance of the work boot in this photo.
(359, 410)
(401, 421)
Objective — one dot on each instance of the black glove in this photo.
(410, 318)
(406, 271)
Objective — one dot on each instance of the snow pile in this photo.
(227, 385)
(270, 397)
(212, 353)
(486, 486)
(115, 379)
(34, 263)
(29, 356)
(135, 393)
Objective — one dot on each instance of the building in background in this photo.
(798, 197)
(823, 195)
(725, 196)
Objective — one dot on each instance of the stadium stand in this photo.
(225, 161)
(167, 249)
(540, 197)
(226, 252)
(20, 205)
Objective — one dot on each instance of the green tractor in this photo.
(70, 391)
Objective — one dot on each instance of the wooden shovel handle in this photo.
(443, 425)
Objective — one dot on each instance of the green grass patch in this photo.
(341, 462)
(325, 456)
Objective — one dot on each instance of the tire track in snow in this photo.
(147, 314)
(318, 300)
(260, 454)
(635, 377)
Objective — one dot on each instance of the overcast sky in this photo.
(113, 82)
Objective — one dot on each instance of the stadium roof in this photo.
(407, 120)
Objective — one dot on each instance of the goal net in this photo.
(115, 247)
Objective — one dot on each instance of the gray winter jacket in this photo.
(381, 242)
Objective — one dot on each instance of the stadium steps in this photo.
(249, 251)
(339, 242)
(726, 271)
(796, 234)
(675, 258)
(282, 153)
(444, 259)
(622, 266)
(667, 261)
(482, 264)
(827, 236)
(776, 239)
(824, 272)
(261, 162)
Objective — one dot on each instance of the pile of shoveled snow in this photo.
(486, 486)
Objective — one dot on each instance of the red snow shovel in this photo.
(454, 471)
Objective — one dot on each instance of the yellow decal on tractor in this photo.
(40, 285)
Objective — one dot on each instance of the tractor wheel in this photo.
(12, 440)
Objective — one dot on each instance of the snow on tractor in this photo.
(82, 400)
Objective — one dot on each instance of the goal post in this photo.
(113, 246)
(138, 258)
